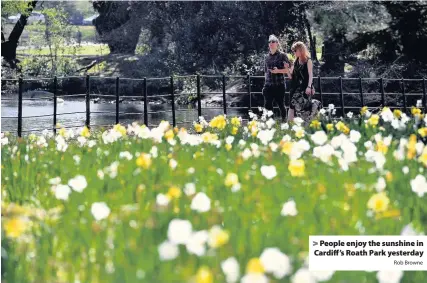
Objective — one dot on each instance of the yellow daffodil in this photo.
(235, 121)
(315, 124)
(297, 167)
(286, 147)
(423, 157)
(381, 147)
(423, 132)
(415, 111)
(411, 147)
(397, 113)
(14, 227)
(234, 130)
(204, 275)
(231, 179)
(85, 132)
(255, 266)
(218, 237)
(389, 176)
(218, 122)
(198, 127)
(174, 192)
(144, 160)
(169, 135)
(373, 120)
(379, 202)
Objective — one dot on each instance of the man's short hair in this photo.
(273, 38)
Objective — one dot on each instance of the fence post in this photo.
(199, 99)
(382, 92)
(224, 102)
(145, 102)
(249, 92)
(425, 96)
(361, 91)
(342, 98)
(20, 83)
(55, 87)
(173, 102)
(88, 101)
(404, 95)
(117, 99)
(319, 86)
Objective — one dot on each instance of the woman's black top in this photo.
(299, 76)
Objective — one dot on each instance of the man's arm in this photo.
(284, 63)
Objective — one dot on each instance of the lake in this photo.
(184, 115)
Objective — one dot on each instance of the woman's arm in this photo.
(310, 72)
(310, 77)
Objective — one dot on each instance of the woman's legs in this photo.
(291, 115)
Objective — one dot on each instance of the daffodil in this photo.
(14, 227)
(198, 127)
(231, 179)
(315, 124)
(235, 121)
(218, 122)
(169, 135)
(119, 128)
(373, 120)
(234, 130)
(255, 266)
(379, 202)
(204, 275)
(397, 113)
(381, 147)
(218, 237)
(423, 132)
(415, 111)
(144, 160)
(297, 167)
(174, 192)
(85, 132)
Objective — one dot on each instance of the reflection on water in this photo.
(184, 115)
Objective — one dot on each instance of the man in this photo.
(275, 66)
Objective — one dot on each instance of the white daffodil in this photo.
(289, 208)
(269, 172)
(168, 251)
(179, 231)
(100, 210)
(201, 203)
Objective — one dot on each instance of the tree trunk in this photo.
(310, 37)
(118, 25)
(8, 47)
(333, 55)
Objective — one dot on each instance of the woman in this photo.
(274, 68)
(302, 90)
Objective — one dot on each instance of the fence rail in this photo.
(199, 93)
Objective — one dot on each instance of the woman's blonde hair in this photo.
(299, 45)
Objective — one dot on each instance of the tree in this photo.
(119, 25)
(9, 46)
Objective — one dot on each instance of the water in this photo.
(9, 108)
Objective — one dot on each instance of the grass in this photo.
(145, 179)
(91, 49)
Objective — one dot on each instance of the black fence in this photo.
(340, 97)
